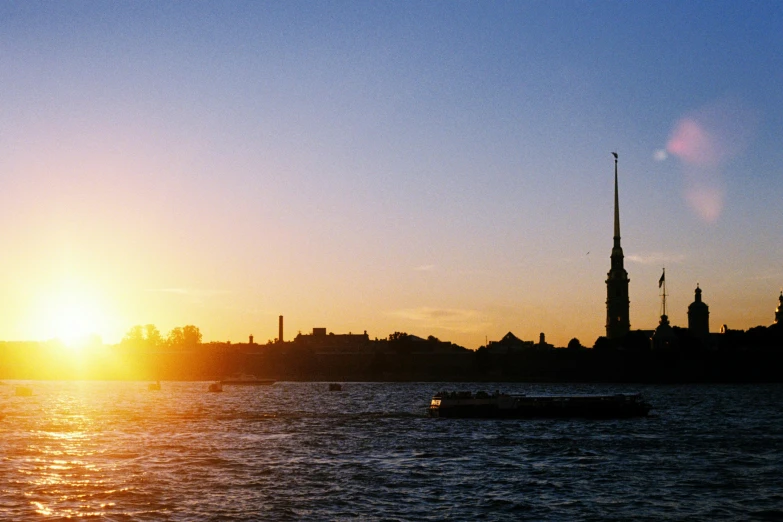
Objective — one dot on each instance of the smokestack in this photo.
(280, 327)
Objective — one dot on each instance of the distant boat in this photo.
(154, 386)
(244, 379)
(335, 387)
(503, 406)
(216, 387)
(23, 391)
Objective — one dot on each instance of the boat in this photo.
(23, 391)
(154, 386)
(335, 386)
(244, 379)
(216, 387)
(505, 406)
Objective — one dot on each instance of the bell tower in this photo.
(617, 303)
(779, 310)
(699, 316)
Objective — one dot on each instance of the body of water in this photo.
(292, 451)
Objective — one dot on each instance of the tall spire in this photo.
(616, 206)
(617, 302)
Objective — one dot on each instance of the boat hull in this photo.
(464, 405)
(247, 383)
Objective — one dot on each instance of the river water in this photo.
(295, 451)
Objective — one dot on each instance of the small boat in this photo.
(243, 379)
(23, 391)
(154, 386)
(504, 406)
(335, 386)
(216, 387)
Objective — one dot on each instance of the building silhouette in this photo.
(330, 342)
(699, 317)
(779, 310)
(617, 302)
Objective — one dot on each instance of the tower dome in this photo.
(699, 316)
(663, 337)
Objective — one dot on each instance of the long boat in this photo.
(246, 380)
(505, 406)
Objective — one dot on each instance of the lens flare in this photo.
(706, 201)
(693, 144)
(704, 141)
(712, 135)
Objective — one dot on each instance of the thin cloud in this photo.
(767, 276)
(187, 291)
(477, 271)
(424, 268)
(655, 258)
(452, 319)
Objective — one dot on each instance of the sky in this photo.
(436, 168)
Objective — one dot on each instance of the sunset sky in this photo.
(439, 168)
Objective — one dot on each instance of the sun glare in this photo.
(74, 318)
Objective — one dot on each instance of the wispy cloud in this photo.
(187, 291)
(450, 271)
(452, 319)
(766, 276)
(473, 272)
(655, 258)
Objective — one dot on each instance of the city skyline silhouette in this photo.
(442, 175)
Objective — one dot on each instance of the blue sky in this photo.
(434, 167)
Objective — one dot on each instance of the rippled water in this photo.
(296, 451)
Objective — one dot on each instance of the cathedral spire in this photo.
(617, 302)
(616, 206)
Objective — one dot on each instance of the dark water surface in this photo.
(295, 451)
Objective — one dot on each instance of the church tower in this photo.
(617, 302)
(779, 310)
(699, 316)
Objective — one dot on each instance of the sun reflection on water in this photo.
(60, 471)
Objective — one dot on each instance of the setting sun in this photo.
(73, 317)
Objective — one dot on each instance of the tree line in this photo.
(148, 336)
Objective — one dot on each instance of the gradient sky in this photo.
(439, 168)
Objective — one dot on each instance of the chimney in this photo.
(280, 327)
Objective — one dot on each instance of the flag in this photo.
(662, 279)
